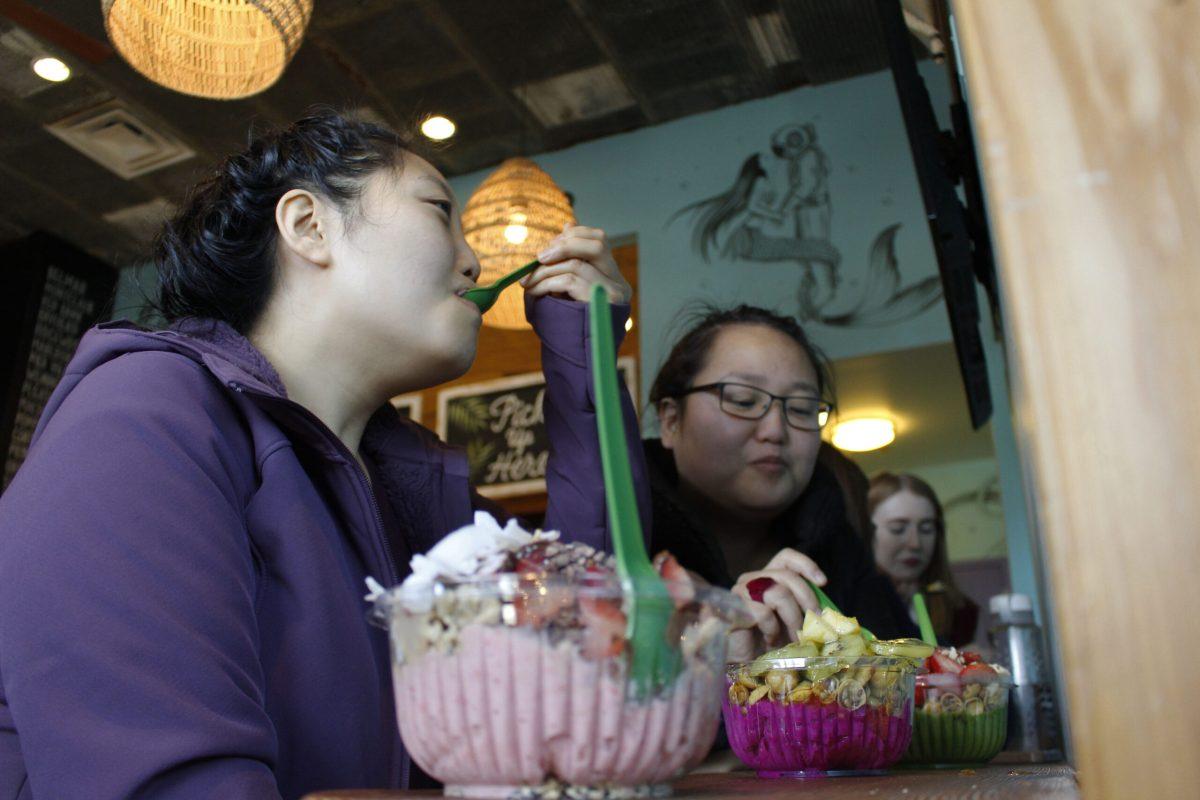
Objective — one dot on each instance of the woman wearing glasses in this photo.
(738, 492)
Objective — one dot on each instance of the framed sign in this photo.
(501, 425)
(409, 405)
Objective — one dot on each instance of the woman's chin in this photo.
(455, 367)
(769, 501)
(766, 507)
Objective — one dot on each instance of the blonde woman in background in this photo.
(908, 538)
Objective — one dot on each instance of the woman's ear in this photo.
(669, 413)
(303, 228)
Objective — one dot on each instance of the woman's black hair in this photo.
(690, 353)
(216, 256)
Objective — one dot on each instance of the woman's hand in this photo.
(573, 261)
(778, 612)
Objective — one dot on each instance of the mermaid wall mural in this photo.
(779, 209)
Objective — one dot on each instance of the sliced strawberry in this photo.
(603, 627)
(970, 658)
(758, 587)
(978, 673)
(941, 662)
(679, 582)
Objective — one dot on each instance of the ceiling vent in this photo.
(773, 39)
(112, 136)
(583, 94)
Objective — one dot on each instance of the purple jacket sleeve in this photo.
(128, 642)
(574, 480)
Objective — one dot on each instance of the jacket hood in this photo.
(239, 366)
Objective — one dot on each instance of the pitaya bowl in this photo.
(802, 717)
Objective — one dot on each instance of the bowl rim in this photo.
(998, 678)
(890, 663)
(507, 586)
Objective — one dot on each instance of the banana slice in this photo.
(816, 629)
(845, 647)
(841, 624)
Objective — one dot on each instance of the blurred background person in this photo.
(908, 538)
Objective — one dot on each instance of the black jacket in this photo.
(816, 525)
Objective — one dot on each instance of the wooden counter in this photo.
(1056, 782)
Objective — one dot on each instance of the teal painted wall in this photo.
(632, 184)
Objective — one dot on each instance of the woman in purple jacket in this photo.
(182, 555)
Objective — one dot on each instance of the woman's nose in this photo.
(468, 262)
(772, 426)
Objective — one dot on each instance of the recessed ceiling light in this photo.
(438, 128)
(863, 434)
(51, 69)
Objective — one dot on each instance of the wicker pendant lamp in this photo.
(219, 49)
(511, 217)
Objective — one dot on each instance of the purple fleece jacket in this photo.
(182, 559)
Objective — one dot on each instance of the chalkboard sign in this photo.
(501, 426)
(50, 293)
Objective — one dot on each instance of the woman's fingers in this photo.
(795, 561)
(780, 600)
(795, 585)
(575, 283)
(787, 599)
(762, 616)
(585, 252)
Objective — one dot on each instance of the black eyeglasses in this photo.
(750, 402)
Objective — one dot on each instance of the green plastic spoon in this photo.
(486, 296)
(655, 660)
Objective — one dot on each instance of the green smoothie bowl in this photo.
(961, 713)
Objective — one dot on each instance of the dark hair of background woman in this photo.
(690, 353)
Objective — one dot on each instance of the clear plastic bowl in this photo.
(498, 690)
(813, 716)
(959, 722)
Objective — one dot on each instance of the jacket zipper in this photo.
(364, 483)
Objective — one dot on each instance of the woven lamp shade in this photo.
(518, 195)
(219, 49)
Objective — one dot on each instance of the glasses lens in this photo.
(744, 401)
(806, 413)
